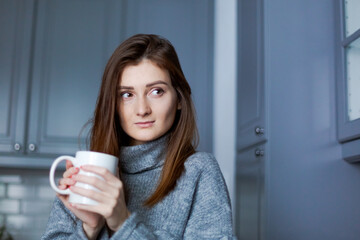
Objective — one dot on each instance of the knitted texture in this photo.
(198, 207)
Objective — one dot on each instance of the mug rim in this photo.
(94, 152)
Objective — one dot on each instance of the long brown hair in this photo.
(107, 135)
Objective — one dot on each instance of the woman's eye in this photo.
(126, 95)
(157, 92)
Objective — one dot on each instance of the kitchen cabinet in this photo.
(73, 41)
(53, 70)
(15, 48)
(251, 86)
(252, 134)
(250, 173)
(53, 57)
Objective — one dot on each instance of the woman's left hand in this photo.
(111, 197)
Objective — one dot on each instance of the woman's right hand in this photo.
(92, 222)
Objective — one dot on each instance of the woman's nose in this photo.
(143, 107)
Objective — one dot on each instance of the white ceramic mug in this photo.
(84, 158)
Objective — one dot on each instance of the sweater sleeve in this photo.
(62, 224)
(210, 216)
(134, 228)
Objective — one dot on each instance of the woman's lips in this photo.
(145, 124)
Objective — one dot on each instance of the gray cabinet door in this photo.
(251, 122)
(15, 41)
(189, 26)
(250, 193)
(251, 86)
(72, 42)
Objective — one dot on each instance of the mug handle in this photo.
(52, 173)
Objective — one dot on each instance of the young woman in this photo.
(165, 189)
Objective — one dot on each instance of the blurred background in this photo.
(275, 86)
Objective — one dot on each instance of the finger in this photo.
(108, 191)
(94, 195)
(62, 187)
(93, 181)
(71, 171)
(68, 164)
(90, 208)
(105, 174)
(104, 210)
(101, 171)
(66, 181)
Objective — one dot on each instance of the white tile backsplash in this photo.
(28, 235)
(36, 206)
(18, 191)
(10, 179)
(9, 206)
(25, 222)
(25, 202)
(46, 192)
(2, 190)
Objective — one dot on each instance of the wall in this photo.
(225, 90)
(312, 192)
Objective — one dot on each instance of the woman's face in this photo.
(147, 102)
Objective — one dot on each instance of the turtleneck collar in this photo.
(143, 157)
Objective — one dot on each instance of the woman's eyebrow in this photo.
(147, 85)
(126, 87)
(156, 82)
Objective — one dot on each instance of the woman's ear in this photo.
(179, 105)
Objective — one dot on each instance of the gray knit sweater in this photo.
(198, 207)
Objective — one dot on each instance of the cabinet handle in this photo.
(17, 146)
(32, 147)
(259, 131)
(259, 153)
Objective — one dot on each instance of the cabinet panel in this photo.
(73, 41)
(15, 24)
(251, 118)
(8, 14)
(250, 193)
(251, 86)
(189, 26)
